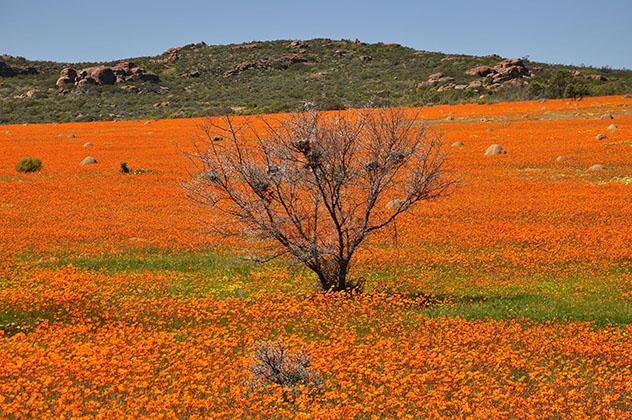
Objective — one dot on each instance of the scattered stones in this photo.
(597, 167)
(172, 55)
(495, 149)
(610, 127)
(190, 74)
(436, 79)
(458, 144)
(366, 58)
(88, 160)
(162, 104)
(298, 44)
(266, 63)
(561, 158)
(245, 47)
(601, 136)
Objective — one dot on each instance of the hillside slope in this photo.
(264, 77)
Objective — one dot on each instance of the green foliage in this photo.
(562, 84)
(365, 74)
(29, 164)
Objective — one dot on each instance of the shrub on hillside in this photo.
(29, 164)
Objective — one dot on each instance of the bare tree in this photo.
(317, 184)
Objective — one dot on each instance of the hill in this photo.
(275, 76)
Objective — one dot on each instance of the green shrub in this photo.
(29, 164)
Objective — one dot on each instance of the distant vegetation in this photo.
(279, 76)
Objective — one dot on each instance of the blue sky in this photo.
(592, 32)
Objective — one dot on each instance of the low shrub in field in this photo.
(29, 164)
(274, 364)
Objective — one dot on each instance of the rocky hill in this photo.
(262, 77)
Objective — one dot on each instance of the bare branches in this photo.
(318, 184)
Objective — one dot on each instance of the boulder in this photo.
(31, 93)
(495, 149)
(458, 144)
(479, 71)
(87, 144)
(103, 75)
(87, 81)
(69, 73)
(601, 136)
(612, 127)
(475, 84)
(438, 78)
(88, 160)
(64, 81)
(191, 74)
(597, 167)
(124, 66)
(561, 158)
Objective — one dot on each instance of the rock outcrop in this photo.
(104, 75)
(511, 71)
(267, 63)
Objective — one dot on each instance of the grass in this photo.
(199, 275)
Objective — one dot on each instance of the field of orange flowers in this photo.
(510, 298)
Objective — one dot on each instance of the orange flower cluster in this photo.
(160, 344)
(124, 346)
(520, 209)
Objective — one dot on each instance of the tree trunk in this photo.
(333, 277)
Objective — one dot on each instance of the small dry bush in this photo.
(274, 364)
